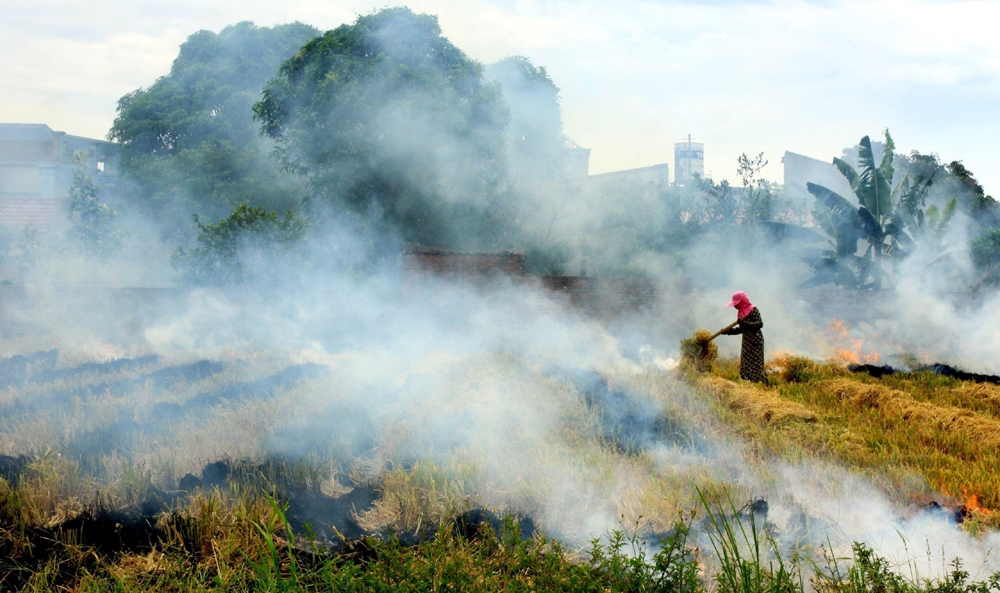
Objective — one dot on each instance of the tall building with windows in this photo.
(689, 160)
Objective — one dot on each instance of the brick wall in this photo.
(417, 261)
(605, 296)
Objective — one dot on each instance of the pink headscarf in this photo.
(742, 303)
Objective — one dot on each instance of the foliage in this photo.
(982, 208)
(92, 222)
(623, 563)
(230, 250)
(880, 220)
(189, 140)
(534, 134)
(748, 555)
(387, 118)
(985, 251)
(756, 193)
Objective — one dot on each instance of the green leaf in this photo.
(932, 216)
(848, 171)
(874, 190)
(780, 231)
(873, 230)
(902, 189)
(886, 166)
(949, 213)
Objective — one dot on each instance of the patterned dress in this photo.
(752, 353)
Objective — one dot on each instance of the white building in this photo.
(689, 160)
(36, 170)
(801, 169)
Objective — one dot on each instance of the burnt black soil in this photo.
(309, 510)
(160, 379)
(950, 371)
(18, 368)
(11, 467)
(106, 532)
(937, 368)
(475, 523)
(874, 370)
(330, 520)
(262, 388)
(630, 423)
(112, 366)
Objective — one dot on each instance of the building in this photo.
(653, 174)
(577, 159)
(36, 171)
(689, 160)
(801, 169)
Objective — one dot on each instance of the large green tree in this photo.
(537, 148)
(389, 120)
(190, 144)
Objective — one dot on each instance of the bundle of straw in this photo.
(698, 352)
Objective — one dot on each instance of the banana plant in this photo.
(878, 220)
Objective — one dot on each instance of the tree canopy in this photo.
(535, 134)
(189, 141)
(387, 118)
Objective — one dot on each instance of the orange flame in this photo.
(846, 349)
(972, 503)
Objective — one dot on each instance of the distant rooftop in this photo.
(19, 211)
(26, 132)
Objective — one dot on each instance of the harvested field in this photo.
(757, 403)
(920, 434)
(160, 465)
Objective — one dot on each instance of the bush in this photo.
(230, 250)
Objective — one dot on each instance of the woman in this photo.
(750, 324)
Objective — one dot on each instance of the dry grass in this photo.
(698, 353)
(756, 402)
(450, 433)
(944, 432)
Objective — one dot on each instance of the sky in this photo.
(636, 75)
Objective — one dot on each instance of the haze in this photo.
(635, 75)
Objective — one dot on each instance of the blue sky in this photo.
(811, 77)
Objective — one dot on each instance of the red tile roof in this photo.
(18, 211)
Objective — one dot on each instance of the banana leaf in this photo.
(875, 190)
(833, 269)
(947, 215)
(847, 238)
(872, 228)
(779, 231)
(811, 255)
(848, 171)
(886, 166)
(903, 189)
(841, 210)
(933, 216)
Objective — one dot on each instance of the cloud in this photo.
(636, 75)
